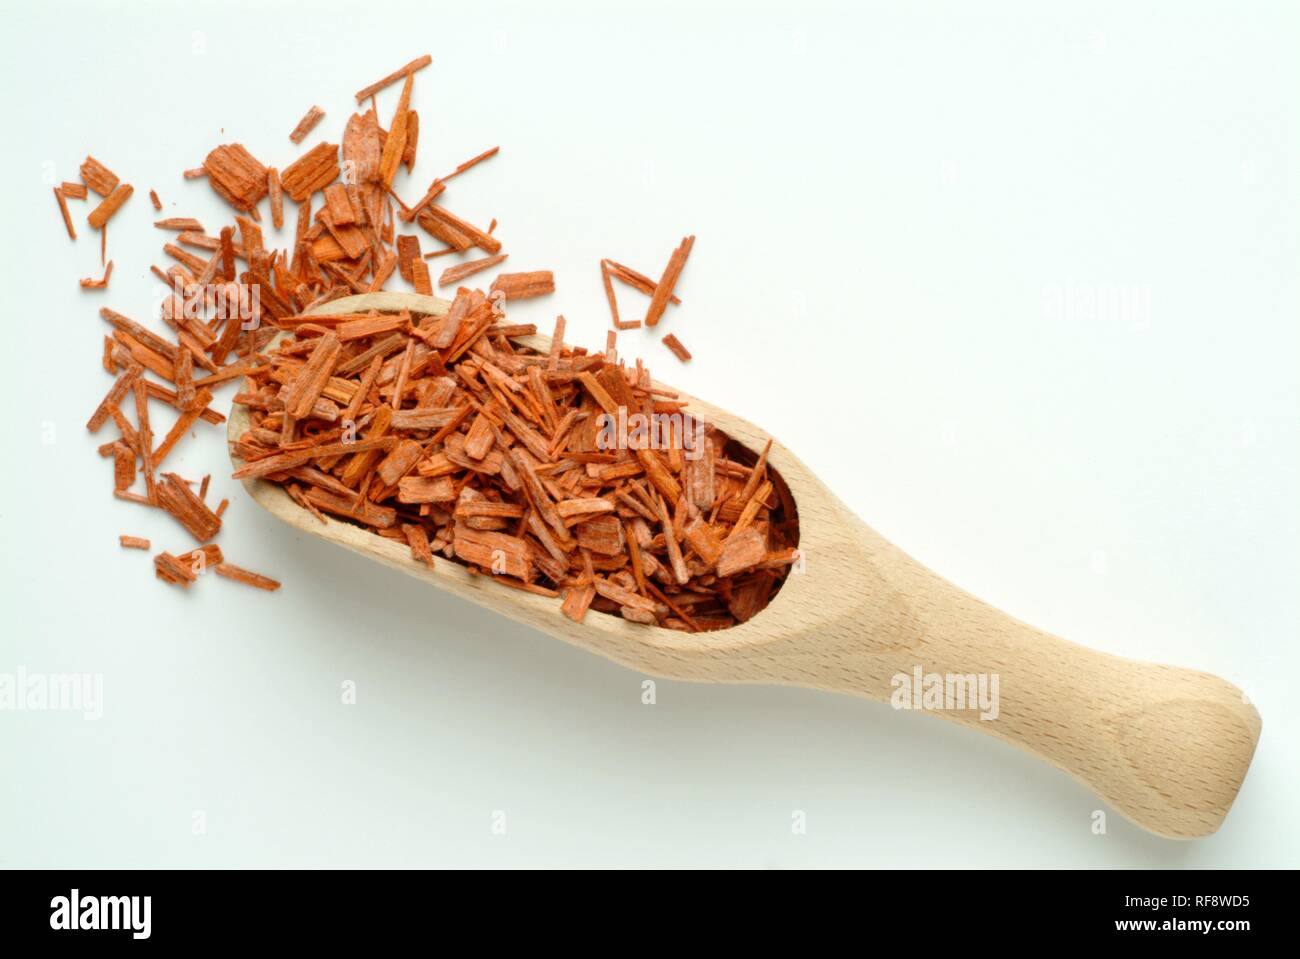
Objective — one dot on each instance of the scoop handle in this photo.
(1167, 747)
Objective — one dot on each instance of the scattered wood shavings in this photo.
(443, 433)
(611, 270)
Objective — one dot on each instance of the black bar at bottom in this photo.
(238, 907)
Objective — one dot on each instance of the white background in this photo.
(902, 213)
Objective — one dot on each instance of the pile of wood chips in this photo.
(441, 431)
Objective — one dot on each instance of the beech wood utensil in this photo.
(1167, 747)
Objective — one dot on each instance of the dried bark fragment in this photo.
(109, 205)
(395, 144)
(664, 289)
(675, 345)
(577, 601)
(349, 507)
(610, 296)
(305, 125)
(170, 569)
(123, 466)
(133, 542)
(675, 559)
(455, 232)
(424, 419)
(408, 251)
(748, 598)
(401, 459)
(314, 170)
(586, 508)
(741, 552)
(361, 150)
(420, 277)
(276, 192)
(306, 388)
(63, 210)
(635, 280)
(144, 437)
(425, 489)
(518, 286)
(603, 534)
(418, 540)
(418, 63)
(496, 552)
(454, 274)
(756, 475)
(471, 162)
(90, 283)
(182, 223)
(439, 229)
(659, 474)
(339, 205)
(239, 575)
(176, 497)
(98, 177)
(236, 176)
(183, 424)
(412, 139)
(121, 386)
(701, 475)
(624, 597)
(288, 460)
(199, 559)
(704, 540)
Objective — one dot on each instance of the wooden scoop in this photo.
(1167, 747)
